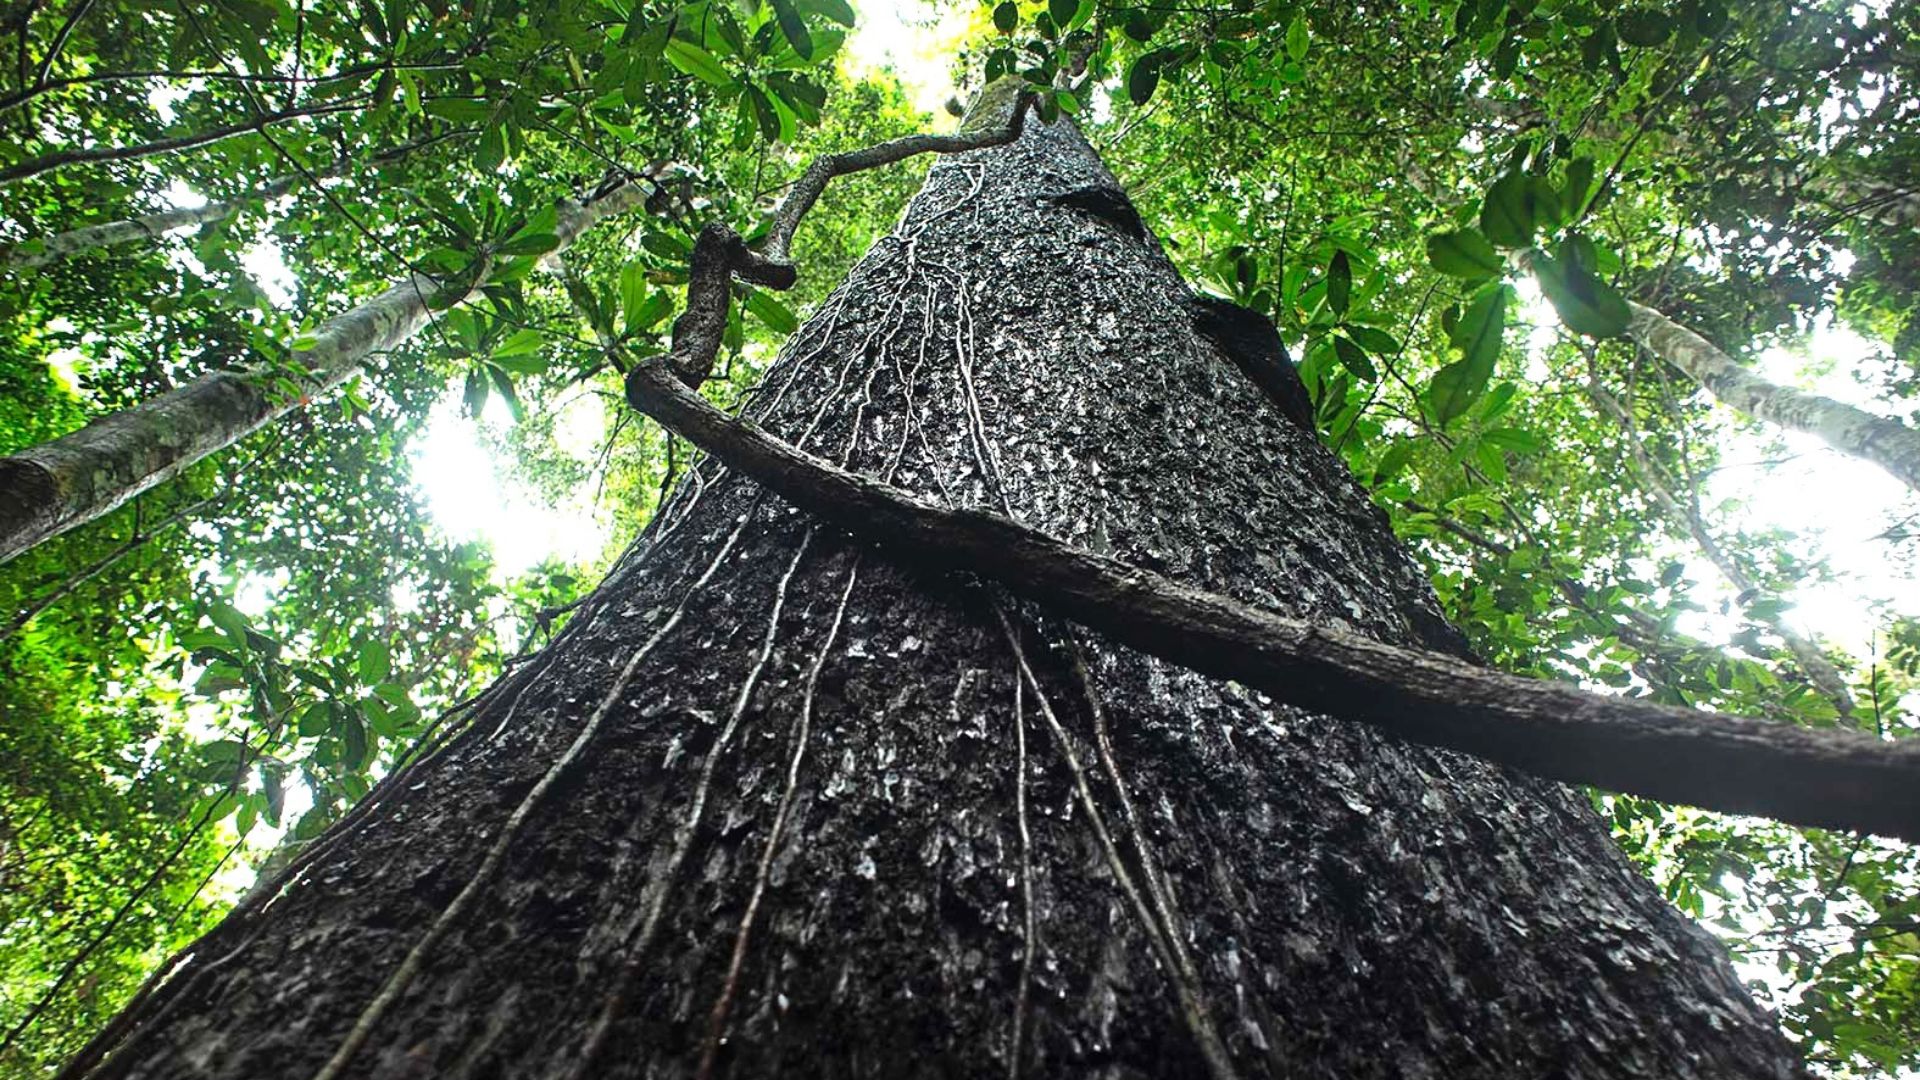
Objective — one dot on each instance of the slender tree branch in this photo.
(172, 144)
(1818, 670)
(981, 130)
(60, 40)
(36, 252)
(358, 71)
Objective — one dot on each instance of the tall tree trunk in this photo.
(53, 487)
(777, 805)
(1881, 440)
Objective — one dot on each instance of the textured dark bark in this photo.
(1835, 779)
(776, 805)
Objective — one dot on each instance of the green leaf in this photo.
(803, 98)
(521, 342)
(1518, 440)
(1463, 254)
(1141, 25)
(1393, 461)
(1507, 215)
(459, 110)
(633, 294)
(1710, 18)
(1298, 37)
(475, 394)
(1339, 284)
(778, 317)
(837, 10)
(522, 365)
(1374, 340)
(1644, 27)
(1481, 326)
(764, 116)
(697, 62)
(1457, 386)
(491, 151)
(1586, 304)
(795, 30)
(1006, 17)
(1353, 357)
(1062, 11)
(658, 306)
(503, 385)
(1497, 401)
(375, 663)
(1543, 200)
(1453, 390)
(1143, 78)
(532, 244)
(353, 737)
(1579, 185)
(315, 719)
(230, 621)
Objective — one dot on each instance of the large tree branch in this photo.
(1831, 779)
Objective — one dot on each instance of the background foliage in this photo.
(1445, 207)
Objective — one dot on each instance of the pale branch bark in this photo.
(32, 253)
(50, 488)
(1686, 515)
(1829, 779)
(1881, 440)
(172, 144)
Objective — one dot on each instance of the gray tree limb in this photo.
(50, 488)
(1883, 441)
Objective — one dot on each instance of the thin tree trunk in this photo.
(1813, 663)
(775, 805)
(53, 487)
(1885, 442)
(39, 251)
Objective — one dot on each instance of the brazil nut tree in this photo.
(1160, 779)
(777, 802)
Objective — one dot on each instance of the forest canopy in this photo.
(1611, 307)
